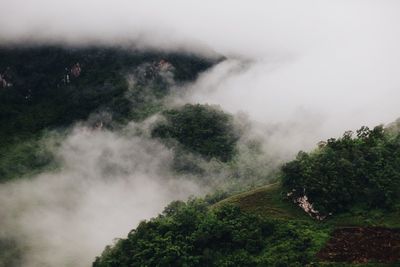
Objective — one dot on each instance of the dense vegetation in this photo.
(41, 96)
(192, 234)
(25, 157)
(355, 178)
(261, 227)
(50, 87)
(361, 172)
(200, 129)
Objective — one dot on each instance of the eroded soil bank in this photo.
(362, 244)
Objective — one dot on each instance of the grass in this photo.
(390, 219)
(269, 201)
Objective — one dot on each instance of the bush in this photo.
(40, 97)
(362, 171)
(201, 129)
(190, 234)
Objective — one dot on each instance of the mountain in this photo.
(43, 88)
(336, 206)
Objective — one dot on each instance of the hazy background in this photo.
(302, 71)
(107, 183)
(333, 61)
(310, 69)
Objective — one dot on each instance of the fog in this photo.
(333, 60)
(301, 71)
(108, 182)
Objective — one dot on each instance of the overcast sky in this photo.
(334, 61)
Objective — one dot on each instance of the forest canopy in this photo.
(361, 171)
(202, 129)
(53, 87)
(193, 234)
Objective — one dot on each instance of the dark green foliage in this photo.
(40, 97)
(346, 173)
(189, 234)
(201, 129)
(25, 157)
(10, 253)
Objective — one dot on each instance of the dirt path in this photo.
(362, 244)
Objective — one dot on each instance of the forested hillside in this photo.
(335, 203)
(338, 203)
(361, 172)
(43, 88)
(199, 133)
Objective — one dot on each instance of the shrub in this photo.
(201, 129)
(349, 171)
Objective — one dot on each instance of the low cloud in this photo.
(107, 183)
(335, 59)
(301, 71)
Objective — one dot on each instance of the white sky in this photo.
(338, 60)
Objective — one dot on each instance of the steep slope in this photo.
(193, 234)
(357, 238)
(297, 235)
(43, 88)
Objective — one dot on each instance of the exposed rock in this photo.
(4, 81)
(164, 65)
(308, 207)
(76, 70)
(149, 73)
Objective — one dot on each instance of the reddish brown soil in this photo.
(362, 244)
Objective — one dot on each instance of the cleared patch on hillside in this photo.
(362, 245)
(268, 201)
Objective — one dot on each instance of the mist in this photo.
(108, 182)
(333, 61)
(300, 71)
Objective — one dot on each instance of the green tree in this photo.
(201, 129)
(361, 171)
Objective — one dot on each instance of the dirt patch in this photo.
(362, 244)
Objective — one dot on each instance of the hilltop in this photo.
(294, 238)
(275, 225)
(47, 88)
